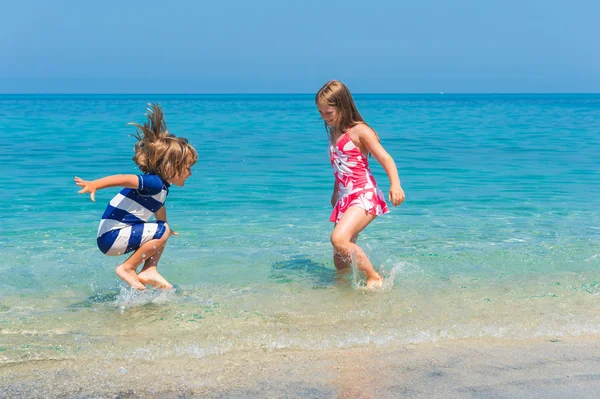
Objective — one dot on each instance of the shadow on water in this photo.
(120, 296)
(104, 297)
(302, 269)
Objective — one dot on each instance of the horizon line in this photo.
(290, 93)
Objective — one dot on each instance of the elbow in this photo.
(387, 160)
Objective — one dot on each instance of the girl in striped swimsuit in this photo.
(356, 199)
(164, 160)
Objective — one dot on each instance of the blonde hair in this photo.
(335, 94)
(158, 151)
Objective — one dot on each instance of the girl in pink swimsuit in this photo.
(356, 199)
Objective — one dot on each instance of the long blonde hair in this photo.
(335, 94)
(158, 151)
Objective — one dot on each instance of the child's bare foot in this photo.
(130, 277)
(373, 283)
(153, 278)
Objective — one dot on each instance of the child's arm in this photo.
(370, 140)
(335, 195)
(161, 214)
(128, 181)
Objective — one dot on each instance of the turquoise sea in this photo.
(499, 235)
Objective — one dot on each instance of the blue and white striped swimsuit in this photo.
(124, 226)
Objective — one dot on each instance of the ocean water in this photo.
(499, 235)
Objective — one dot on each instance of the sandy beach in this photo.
(474, 368)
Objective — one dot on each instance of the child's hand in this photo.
(173, 233)
(88, 187)
(396, 195)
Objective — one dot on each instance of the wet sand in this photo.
(474, 368)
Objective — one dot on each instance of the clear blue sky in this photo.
(241, 46)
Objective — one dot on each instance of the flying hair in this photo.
(159, 152)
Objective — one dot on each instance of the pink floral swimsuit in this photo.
(355, 182)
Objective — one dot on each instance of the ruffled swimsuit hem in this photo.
(370, 200)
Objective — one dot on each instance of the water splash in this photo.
(129, 297)
(359, 282)
(591, 258)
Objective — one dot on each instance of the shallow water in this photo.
(498, 236)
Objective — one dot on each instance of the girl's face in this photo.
(180, 180)
(329, 114)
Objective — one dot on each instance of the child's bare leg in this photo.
(127, 270)
(150, 275)
(340, 261)
(353, 222)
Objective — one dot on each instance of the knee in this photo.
(165, 235)
(339, 241)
